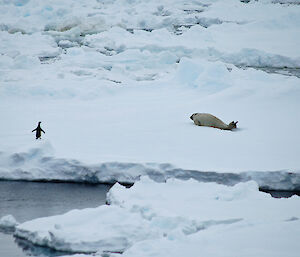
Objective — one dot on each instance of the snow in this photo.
(114, 91)
(126, 124)
(244, 239)
(120, 88)
(36, 165)
(8, 222)
(86, 230)
(145, 220)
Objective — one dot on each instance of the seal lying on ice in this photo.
(208, 120)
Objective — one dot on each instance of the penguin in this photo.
(38, 130)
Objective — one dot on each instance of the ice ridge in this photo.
(35, 166)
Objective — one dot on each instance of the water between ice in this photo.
(276, 70)
(30, 200)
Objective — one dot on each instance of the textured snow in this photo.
(145, 220)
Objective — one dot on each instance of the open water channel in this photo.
(30, 200)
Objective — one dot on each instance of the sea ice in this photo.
(154, 217)
(8, 222)
(114, 92)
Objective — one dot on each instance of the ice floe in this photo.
(147, 214)
(35, 166)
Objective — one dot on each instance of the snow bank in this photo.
(148, 214)
(37, 165)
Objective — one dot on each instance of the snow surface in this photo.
(176, 218)
(151, 123)
(36, 166)
(120, 87)
(114, 83)
(8, 222)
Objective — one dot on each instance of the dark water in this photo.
(30, 200)
(281, 194)
(276, 70)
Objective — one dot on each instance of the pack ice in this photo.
(114, 83)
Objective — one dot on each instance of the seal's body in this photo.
(39, 130)
(208, 120)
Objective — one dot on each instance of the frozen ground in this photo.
(114, 83)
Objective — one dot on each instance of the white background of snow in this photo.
(151, 124)
(133, 104)
(168, 219)
(121, 86)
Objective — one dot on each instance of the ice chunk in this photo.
(207, 76)
(8, 222)
(106, 228)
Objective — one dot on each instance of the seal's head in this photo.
(232, 125)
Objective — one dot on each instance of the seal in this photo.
(209, 120)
